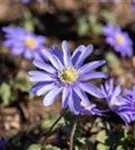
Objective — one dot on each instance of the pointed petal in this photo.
(128, 92)
(65, 97)
(41, 78)
(44, 66)
(111, 83)
(38, 86)
(93, 75)
(37, 73)
(90, 66)
(77, 53)
(81, 94)
(74, 102)
(103, 90)
(52, 59)
(57, 52)
(45, 89)
(85, 53)
(66, 54)
(17, 51)
(91, 89)
(116, 92)
(9, 43)
(51, 96)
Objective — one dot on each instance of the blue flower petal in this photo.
(74, 102)
(65, 97)
(28, 54)
(38, 86)
(52, 59)
(86, 52)
(37, 73)
(91, 89)
(77, 53)
(66, 54)
(17, 49)
(103, 90)
(44, 66)
(58, 53)
(93, 75)
(90, 66)
(43, 77)
(81, 94)
(45, 89)
(116, 91)
(51, 96)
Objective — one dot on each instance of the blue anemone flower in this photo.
(118, 39)
(67, 76)
(23, 42)
(122, 106)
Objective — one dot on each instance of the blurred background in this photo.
(22, 115)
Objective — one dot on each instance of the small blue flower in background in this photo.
(23, 42)
(118, 39)
(2, 144)
(106, 1)
(28, 1)
(67, 76)
(133, 5)
(122, 106)
(25, 1)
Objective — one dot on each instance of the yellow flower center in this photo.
(68, 75)
(120, 39)
(30, 43)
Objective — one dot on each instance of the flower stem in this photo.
(45, 135)
(72, 136)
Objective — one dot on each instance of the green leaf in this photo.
(83, 26)
(97, 28)
(102, 137)
(109, 16)
(82, 140)
(48, 122)
(16, 141)
(120, 147)
(51, 147)
(77, 148)
(22, 82)
(102, 147)
(5, 93)
(83, 29)
(112, 60)
(28, 21)
(35, 147)
(94, 25)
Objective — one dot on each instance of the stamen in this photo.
(115, 102)
(30, 43)
(68, 75)
(85, 106)
(120, 39)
